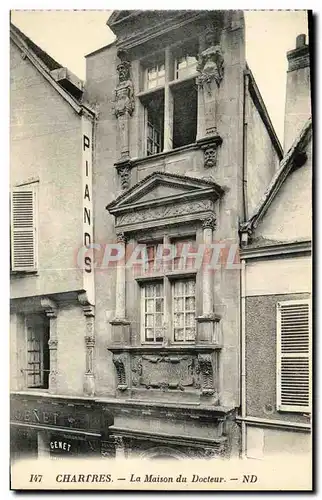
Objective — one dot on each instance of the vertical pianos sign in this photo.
(87, 209)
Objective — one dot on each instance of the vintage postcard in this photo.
(160, 248)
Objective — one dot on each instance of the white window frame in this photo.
(34, 188)
(167, 277)
(157, 78)
(280, 356)
(153, 281)
(185, 69)
(173, 312)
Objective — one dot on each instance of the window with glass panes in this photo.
(184, 66)
(153, 139)
(155, 76)
(184, 310)
(153, 311)
(169, 76)
(37, 370)
(169, 298)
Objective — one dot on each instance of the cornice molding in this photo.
(279, 250)
(180, 18)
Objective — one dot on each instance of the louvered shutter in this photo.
(294, 356)
(23, 228)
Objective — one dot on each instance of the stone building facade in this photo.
(147, 179)
(180, 120)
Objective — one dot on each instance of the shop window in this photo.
(37, 369)
(293, 356)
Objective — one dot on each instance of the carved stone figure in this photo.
(124, 92)
(125, 176)
(211, 63)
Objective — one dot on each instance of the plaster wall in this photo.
(289, 217)
(261, 156)
(45, 145)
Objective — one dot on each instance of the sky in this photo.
(68, 35)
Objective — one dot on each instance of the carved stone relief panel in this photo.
(165, 371)
(163, 212)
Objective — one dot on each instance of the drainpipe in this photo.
(244, 163)
(243, 357)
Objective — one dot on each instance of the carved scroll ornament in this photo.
(120, 364)
(206, 372)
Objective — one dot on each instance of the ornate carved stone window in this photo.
(167, 281)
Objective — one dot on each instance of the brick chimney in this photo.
(298, 95)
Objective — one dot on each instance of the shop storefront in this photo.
(58, 428)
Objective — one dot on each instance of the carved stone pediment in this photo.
(165, 198)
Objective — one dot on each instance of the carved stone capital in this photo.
(88, 309)
(118, 441)
(49, 306)
(52, 344)
(210, 222)
(121, 238)
(89, 341)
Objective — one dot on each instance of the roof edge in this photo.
(278, 179)
(261, 108)
(17, 39)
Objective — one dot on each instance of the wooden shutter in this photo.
(23, 228)
(294, 356)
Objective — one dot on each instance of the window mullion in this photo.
(168, 104)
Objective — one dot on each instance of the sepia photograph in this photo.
(160, 250)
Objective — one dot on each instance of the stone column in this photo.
(89, 340)
(208, 317)
(50, 309)
(120, 280)
(120, 332)
(168, 105)
(208, 226)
